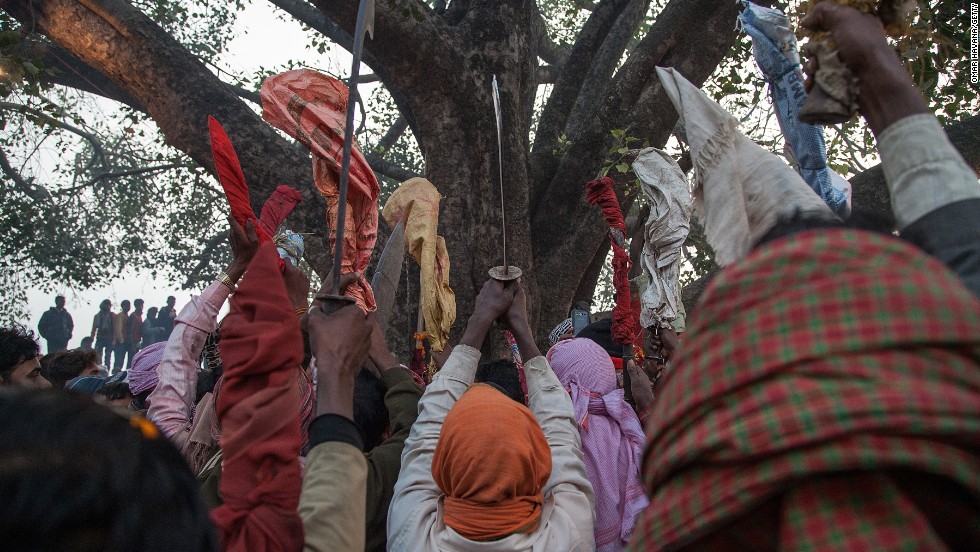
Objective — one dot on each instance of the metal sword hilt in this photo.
(505, 273)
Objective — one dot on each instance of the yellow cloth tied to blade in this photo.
(416, 202)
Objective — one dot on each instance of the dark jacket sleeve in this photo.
(44, 325)
(384, 461)
(951, 234)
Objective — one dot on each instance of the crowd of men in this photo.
(116, 335)
(825, 395)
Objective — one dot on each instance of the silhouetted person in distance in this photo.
(165, 318)
(134, 331)
(102, 332)
(120, 322)
(56, 326)
(150, 333)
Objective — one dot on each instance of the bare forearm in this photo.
(525, 341)
(335, 394)
(887, 94)
(476, 331)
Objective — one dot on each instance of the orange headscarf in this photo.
(491, 461)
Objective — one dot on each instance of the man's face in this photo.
(90, 370)
(28, 374)
(171, 301)
(59, 302)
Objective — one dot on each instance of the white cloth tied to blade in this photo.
(740, 190)
(667, 191)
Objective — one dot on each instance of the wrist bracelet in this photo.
(226, 280)
(300, 311)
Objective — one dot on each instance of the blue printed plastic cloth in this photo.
(774, 49)
(290, 246)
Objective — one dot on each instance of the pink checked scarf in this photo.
(612, 438)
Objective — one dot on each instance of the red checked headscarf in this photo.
(258, 408)
(492, 461)
(826, 398)
(312, 108)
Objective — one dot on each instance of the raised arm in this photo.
(332, 503)
(934, 193)
(172, 400)
(413, 506)
(552, 407)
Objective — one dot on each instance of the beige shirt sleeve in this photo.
(923, 170)
(414, 506)
(332, 502)
(551, 405)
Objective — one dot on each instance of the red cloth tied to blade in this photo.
(258, 409)
(600, 193)
(312, 108)
(232, 179)
(275, 210)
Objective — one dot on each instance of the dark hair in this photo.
(370, 412)
(206, 380)
(77, 476)
(115, 390)
(501, 373)
(139, 399)
(105, 304)
(17, 344)
(600, 332)
(87, 342)
(67, 365)
(151, 312)
(125, 304)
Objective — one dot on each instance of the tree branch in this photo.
(546, 74)
(391, 137)
(387, 168)
(606, 60)
(204, 257)
(98, 153)
(398, 23)
(692, 35)
(136, 171)
(569, 83)
(37, 193)
(74, 73)
(547, 49)
(178, 91)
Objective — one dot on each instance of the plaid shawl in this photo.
(816, 371)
